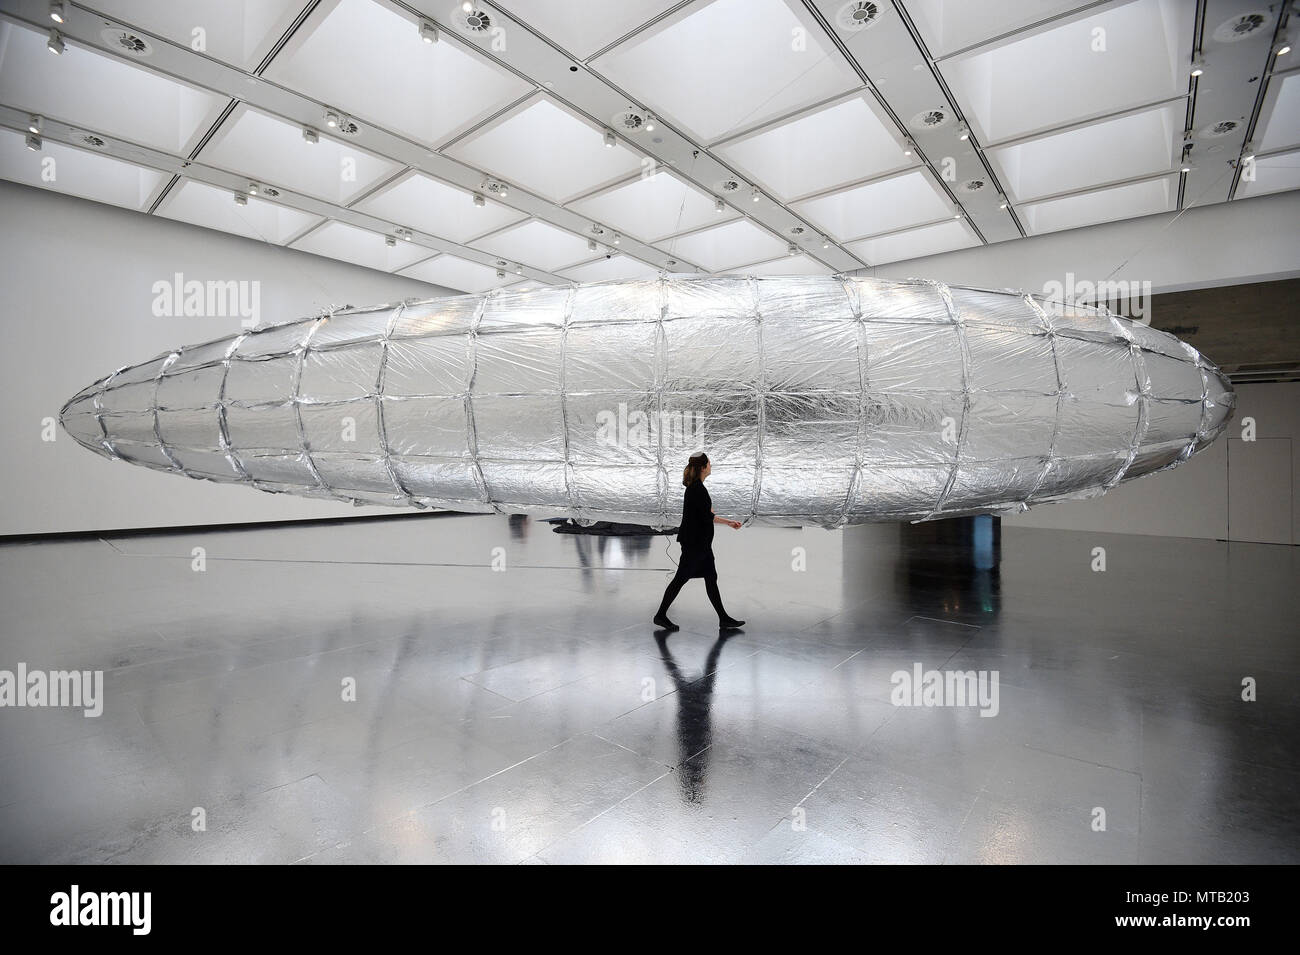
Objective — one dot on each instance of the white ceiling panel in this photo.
(1138, 144)
(584, 27)
(363, 57)
(546, 149)
(77, 172)
(726, 65)
(338, 240)
(95, 91)
(787, 265)
(829, 147)
(914, 243)
(1281, 120)
(614, 268)
(266, 149)
(1105, 205)
(653, 207)
(1058, 76)
(727, 246)
(238, 32)
(900, 201)
(538, 244)
(420, 202)
(453, 272)
(951, 25)
(214, 208)
(1272, 174)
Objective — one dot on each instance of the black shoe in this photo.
(661, 620)
(730, 623)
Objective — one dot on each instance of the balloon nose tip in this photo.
(80, 419)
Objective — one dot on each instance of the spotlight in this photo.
(719, 205)
(503, 191)
(252, 188)
(34, 142)
(1248, 151)
(958, 215)
(57, 11)
(404, 234)
(909, 147)
(755, 195)
(500, 274)
(591, 245)
(1282, 49)
(479, 200)
(332, 120)
(55, 44)
(33, 123)
(467, 7)
(428, 32)
(792, 249)
(390, 240)
(649, 123)
(609, 139)
(1002, 204)
(617, 238)
(310, 135)
(1198, 65)
(826, 243)
(963, 132)
(240, 199)
(519, 270)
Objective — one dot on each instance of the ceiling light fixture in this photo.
(57, 11)
(33, 123)
(959, 215)
(503, 190)
(1198, 65)
(617, 238)
(591, 245)
(390, 241)
(428, 32)
(34, 142)
(1283, 48)
(519, 270)
(609, 139)
(479, 200)
(792, 249)
(467, 7)
(55, 44)
(310, 135)
(1002, 203)
(500, 274)
(649, 126)
(240, 199)
(1248, 151)
(332, 120)
(252, 188)
(909, 147)
(963, 132)
(755, 195)
(719, 205)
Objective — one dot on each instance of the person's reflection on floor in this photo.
(694, 718)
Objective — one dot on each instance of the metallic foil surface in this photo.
(819, 400)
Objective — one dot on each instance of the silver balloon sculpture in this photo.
(823, 401)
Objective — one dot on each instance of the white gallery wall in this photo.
(78, 280)
(1235, 489)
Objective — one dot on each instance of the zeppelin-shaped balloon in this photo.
(819, 400)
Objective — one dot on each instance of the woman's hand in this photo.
(734, 524)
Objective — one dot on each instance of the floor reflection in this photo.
(694, 716)
(952, 566)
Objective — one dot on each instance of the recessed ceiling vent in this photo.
(797, 230)
(94, 141)
(857, 15)
(1241, 27)
(1223, 128)
(629, 120)
(475, 23)
(126, 42)
(973, 185)
(270, 191)
(347, 126)
(930, 119)
(728, 185)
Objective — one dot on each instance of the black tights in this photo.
(679, 581)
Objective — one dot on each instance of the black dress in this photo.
(696, 533)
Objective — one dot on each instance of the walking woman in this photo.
(696, 537)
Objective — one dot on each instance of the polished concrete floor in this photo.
(513, 703)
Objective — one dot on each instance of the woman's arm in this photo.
(723, 520)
